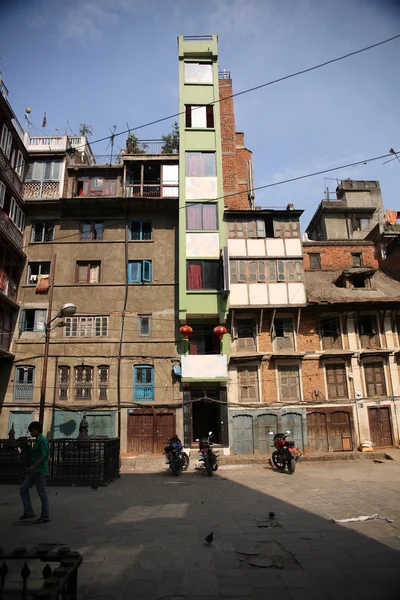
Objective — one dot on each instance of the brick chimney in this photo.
(236, 159)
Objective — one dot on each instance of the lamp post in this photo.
(67, 310)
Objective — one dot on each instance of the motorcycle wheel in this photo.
(277, 460)
(185, 465)
(208, 466)
(174, 468)
(215, 466)
(291, 465)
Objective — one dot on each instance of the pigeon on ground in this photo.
(209, 538)
(271, 515)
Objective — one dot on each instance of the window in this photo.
(6, 141)
(140, 271)
(202, 215)
(86, 326)
(143, 383)
(356, 259)
(95, 186)
(201, 117)
(243, 271)
(315, 261)
(203, 275)
(63, 382)
(42, 232)
(2, 193)
(83, 382)
(33, 319)
(198, 72)
(375, 379)
(44, 170)
(201, 164)
(20, 166)
(141, 230)
(103, 374)
(248, 384)
(35, 269)
(144, 325)
(283, 334)
(249, 229)
(6, 327)
(286, 229)
(246, 334)
(359, 281)
(336, 380)
(360, 224)
(23, 383)
(91, 230)
(88, 272)
(289, 383)
(330, 332)
(369, 332)
(16, 215)
(203, 340)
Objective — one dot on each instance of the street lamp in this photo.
(67, 310)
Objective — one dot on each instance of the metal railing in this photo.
(10, 229)
(22, 575)
(23, 391)
(151, 190)
(224, 74)
(7, 286)
(41, 189)
(81, 159)
(143, 392)
(152, 147)
(71, 461)
(9, 172)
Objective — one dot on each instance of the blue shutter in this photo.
(135, 271)
(40, 320)
(143, 383)
(147, 271)
(21, 321)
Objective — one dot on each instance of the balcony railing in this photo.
(151, 190)
(23, 391)
(41, 189)
(81, 159)
(155, 147)
(224, 74)
(55, 143)
(9, 172)
(143, 392)
(8, 287)
(10, 229)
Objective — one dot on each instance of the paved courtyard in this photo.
(143, 536)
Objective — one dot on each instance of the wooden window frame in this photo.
(141, 317)
(93, 324)
(89, 386)
(203, 263)
(249, 385)
(64, 385)
(92, 237)
(251, 343)
(142, 265)
(40, 268)
(334, 367)
(315, 256)
(103, 386)
(209, 115)
(354, 257)
(338, 342)
(89, 265)
(141, 223)
(290, 337)
(373, 336)
(282, 366)
(374, 364)
(45, 225)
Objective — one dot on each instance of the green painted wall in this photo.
(201, 304)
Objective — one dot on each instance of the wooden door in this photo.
(140, 433)
(340, 431)
(263, 425)
(164, 429)
(379, 426)
(293, 422)
(242, 434)
(317, 432)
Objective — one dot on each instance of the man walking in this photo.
(36, 475)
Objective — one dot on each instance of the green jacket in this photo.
(40, 448)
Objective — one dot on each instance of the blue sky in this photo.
(112, 62)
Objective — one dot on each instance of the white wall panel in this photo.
(237, 247)
(293, 248)
(202, 244)
(278, 293)
(297, 293)
(238, 295)
(256, 248)
(258, 293)
(275, 247)
(201, 188)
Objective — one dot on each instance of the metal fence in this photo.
(71, 461)
(46, 571)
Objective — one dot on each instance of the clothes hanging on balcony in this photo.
(392, 216)
(3, 281)
(42, 285)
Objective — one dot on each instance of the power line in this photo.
(252, 89)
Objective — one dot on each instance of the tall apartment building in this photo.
(13, 160)
(101, 234)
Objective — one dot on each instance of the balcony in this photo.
(11, 231)
(5, 339)
(23, 391)
(151, 190)
(206, 367)
(8, 287)
(55, 143)
(44, 190)
(9, 172)
(80, 159)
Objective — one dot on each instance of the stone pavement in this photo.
(143, 536)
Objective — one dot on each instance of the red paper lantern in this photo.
(186, 330)
(220, 331)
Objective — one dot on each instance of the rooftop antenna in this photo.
(111, 142)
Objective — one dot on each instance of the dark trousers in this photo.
(38, 479)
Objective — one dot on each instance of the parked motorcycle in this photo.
(177, 459)
(286, 453)
(207, 454)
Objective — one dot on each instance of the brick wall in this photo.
(234, 154)
(312, 376)
(391, 264)
(338, 256)
(308, 336)
(268, 382)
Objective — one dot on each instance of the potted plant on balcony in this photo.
(133, 146)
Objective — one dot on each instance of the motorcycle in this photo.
(286, 453)
(177, 459)
(207, 454)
